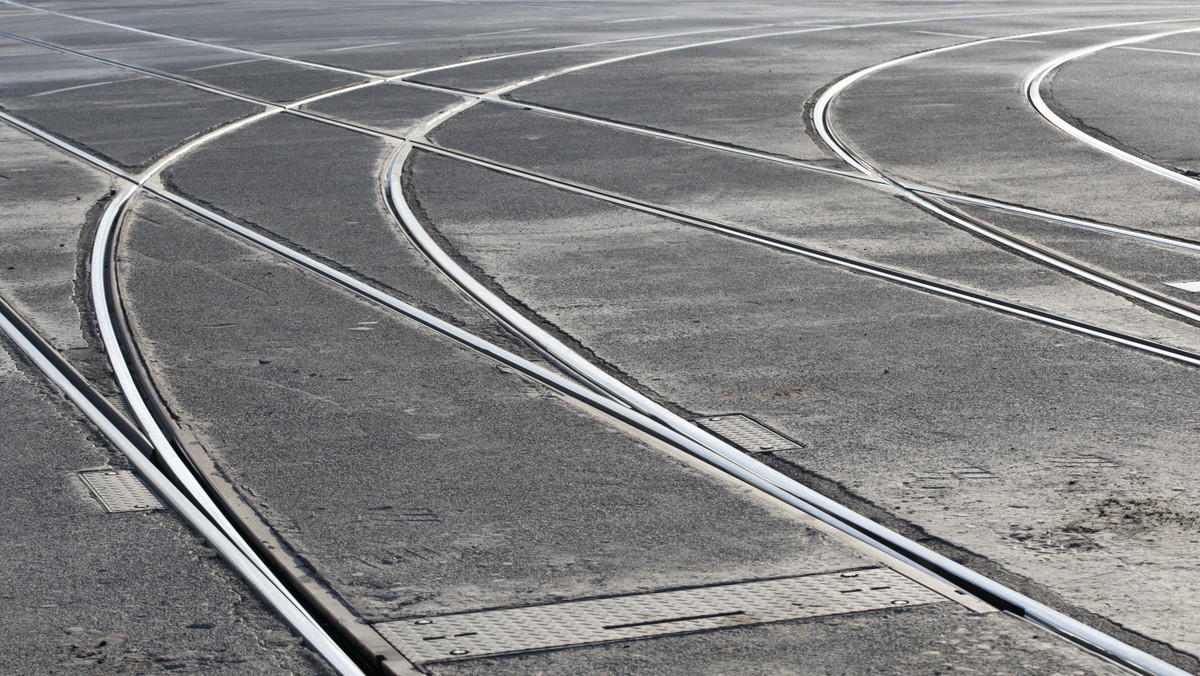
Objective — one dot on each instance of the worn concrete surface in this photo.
(417, 477)
(717, 326)
(88, 592)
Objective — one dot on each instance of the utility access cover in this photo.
(494, 632)
(748, 433)
(120, 490)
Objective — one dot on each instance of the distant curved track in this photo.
(1045, 255)
(1033, 91)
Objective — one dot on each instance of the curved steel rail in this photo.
(1033, 86)
(1043, 254)
(737, 463)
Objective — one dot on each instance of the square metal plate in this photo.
(747, 433)
(120, 490)
(495, 632)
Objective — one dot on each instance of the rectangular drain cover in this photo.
(120, 490)
(494, 632)
(751, 435)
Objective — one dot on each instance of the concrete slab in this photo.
(892, 390)
(86, 591)
(934, 639)
(416, 476)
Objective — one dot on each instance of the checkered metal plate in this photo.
(751, 435)
(120, 490)
(494, 632)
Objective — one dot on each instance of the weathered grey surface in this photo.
(717, 326)
(417, 477)
(85, 591)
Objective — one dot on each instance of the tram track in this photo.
(1033, 85)
(821, 122)
(681, 433)
(914, 281)
(499, 99)
(903, 553)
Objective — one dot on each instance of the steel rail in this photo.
(647, 131)
(404, 78)
(264, 543)
(471, 100)
(1033, 86)
(723, 455)
(1068, 626)
(1156, 348)
(913, 281)
(137, 449)
(292, 108)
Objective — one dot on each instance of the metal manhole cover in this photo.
(746, 432)
(494, 632)
(120, 490)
